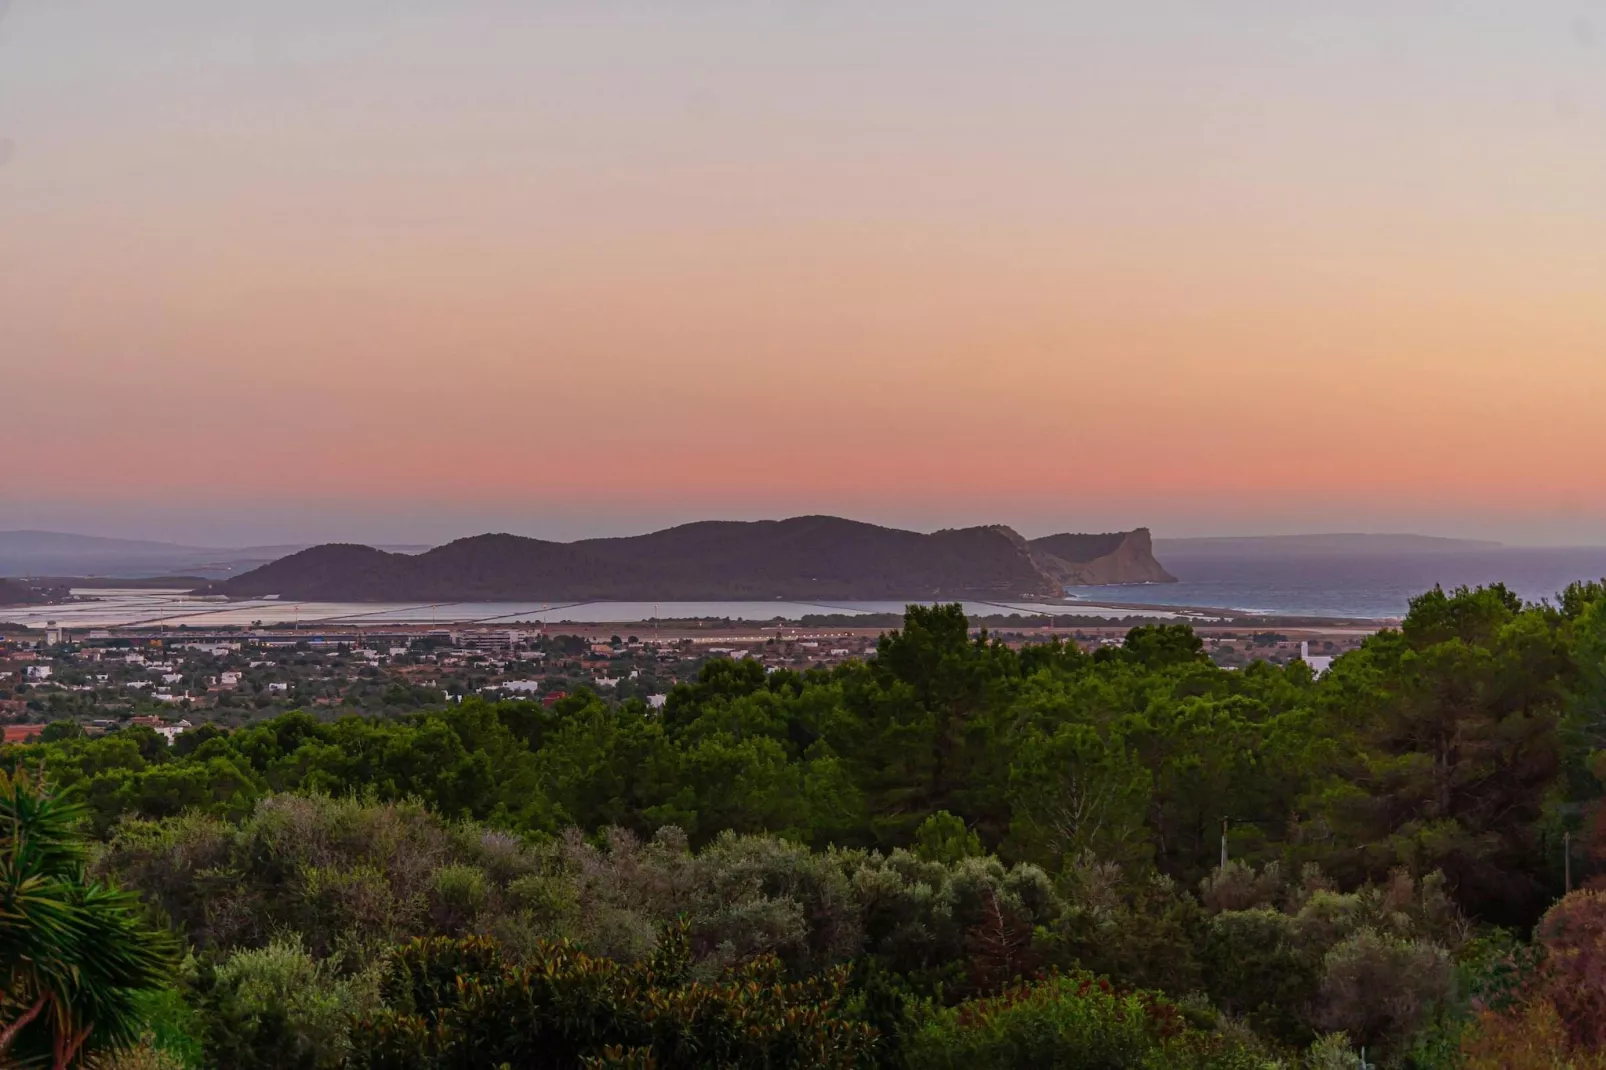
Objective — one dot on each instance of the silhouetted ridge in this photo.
(804, 558)
(16, 593)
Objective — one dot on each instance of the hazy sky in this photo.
(409, 269)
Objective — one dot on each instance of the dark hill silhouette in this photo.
(18, 593)
(1117, 557)
(809, 557)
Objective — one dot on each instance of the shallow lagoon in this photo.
(115, 608)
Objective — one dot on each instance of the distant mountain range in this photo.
(1319, 545)
(55, 553)
(804, 558)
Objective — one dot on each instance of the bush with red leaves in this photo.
(1573, 935)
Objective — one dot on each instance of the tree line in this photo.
(963, 848)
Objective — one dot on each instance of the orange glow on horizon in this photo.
(1172, 273)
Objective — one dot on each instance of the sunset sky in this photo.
(403, 270)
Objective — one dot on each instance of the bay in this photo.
(1377, 586)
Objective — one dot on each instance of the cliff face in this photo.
(1093, 560)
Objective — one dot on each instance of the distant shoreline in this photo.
(164, 609)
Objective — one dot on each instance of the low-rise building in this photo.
(1319, 664)
(172, 731)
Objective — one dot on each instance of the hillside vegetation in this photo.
(952, 854)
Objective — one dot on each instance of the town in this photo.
(53, 681)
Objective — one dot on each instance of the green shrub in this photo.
(279, 1006)
(1077, 1022)
(1382, 990)
(942, 837)
(1256, 967)
(458, 893)
(454, 1003)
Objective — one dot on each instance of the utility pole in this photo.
(1567, 860)
(1223, 843)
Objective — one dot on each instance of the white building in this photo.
(1319, 664)
(171, 731)
(490, 640)
(40, 672)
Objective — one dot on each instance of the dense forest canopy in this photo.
(932, 856)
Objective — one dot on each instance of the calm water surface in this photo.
(1361, 585)
(172, 608)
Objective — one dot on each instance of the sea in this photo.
(1370, 585)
